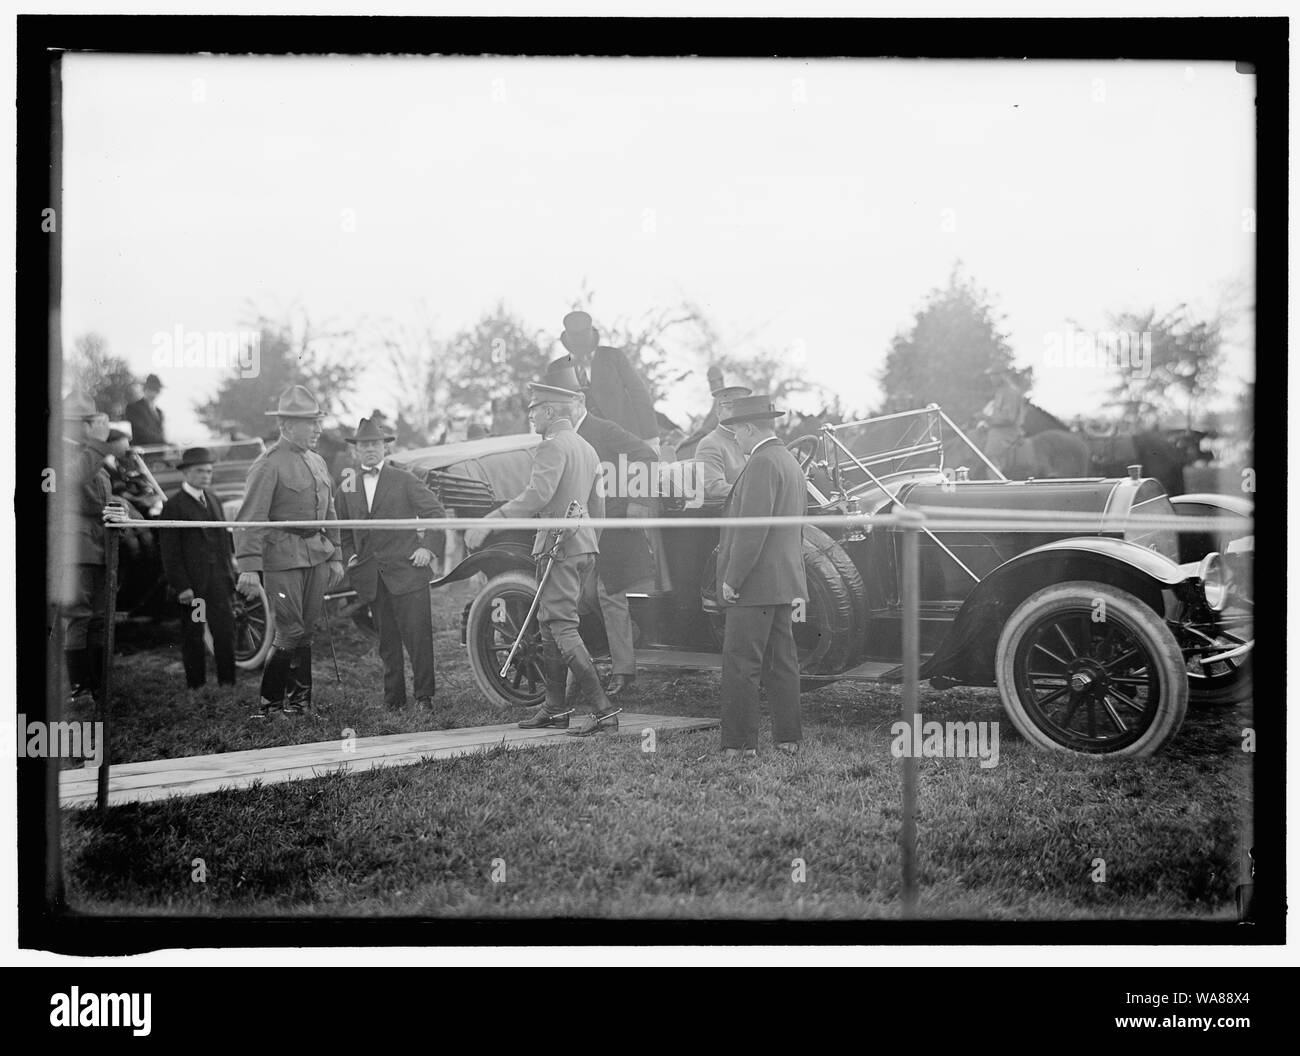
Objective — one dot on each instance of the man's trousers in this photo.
(618, 624)
(404, 619)
(219, 613)
(83, 607)
(297, 595)
(759, 640)
(557, 609)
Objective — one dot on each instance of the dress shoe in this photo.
(618, 684)
(264, 710)
(601, 722)
(737, 753)
(789, 747)
(424, 703)
(540, 718)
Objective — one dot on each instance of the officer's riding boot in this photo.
(604, 716)
(297, 699)
(553, 713)
(95, 670)
(275, 675)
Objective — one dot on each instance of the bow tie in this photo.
(371, 471)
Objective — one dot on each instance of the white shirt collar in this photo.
(578, 421)
(194, 493)
(765, 440)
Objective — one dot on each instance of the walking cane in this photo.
(575, 510)
(329, 633)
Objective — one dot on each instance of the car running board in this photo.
(870, 671)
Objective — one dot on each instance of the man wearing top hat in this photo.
(718, 453)
(613, 388)
(289, 482)
(624, 559)
(145, 416)
(390, 570)
(83, 502)
(198, 565)
(565, 469)
(760, 574)
(1004, 415)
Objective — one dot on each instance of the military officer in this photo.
(760, 574)
(718, 453)
(1005, 415)
(565, 469)
(289, 482)
(85, 502)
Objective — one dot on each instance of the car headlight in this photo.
(1214, 584)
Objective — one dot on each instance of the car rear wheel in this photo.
(1088, 668)
(492, 625)
(254, 630)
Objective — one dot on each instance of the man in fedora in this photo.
(760, 574)
(289, 482)
(614, 390)
(145, 416)
(624, 560)
(198, 565)
(390, 570)
(84, 501)
(565, 469)
(1004, 416)
(719, 453)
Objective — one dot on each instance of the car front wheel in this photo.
(492, 625)
(1088, 668)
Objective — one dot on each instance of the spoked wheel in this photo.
(254, 630)
(1212, 680)
(1088, 668)
(493, 623)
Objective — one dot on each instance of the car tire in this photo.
(1210, 691)
(828, 639)
(254, 630)
(1068, 681)
(508, 596)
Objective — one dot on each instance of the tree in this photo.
(290, 352)
(105, 378)
(488, 367)
(1172, 365)
(942, 357)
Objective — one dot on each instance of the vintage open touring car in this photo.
(1016, 608)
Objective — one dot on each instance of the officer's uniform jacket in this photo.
(286, 484)
(721, 461)
(85, 489)
(565, 468)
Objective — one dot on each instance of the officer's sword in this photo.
(575, 510)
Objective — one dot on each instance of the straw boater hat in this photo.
(296, 402)
(78, 407)
(748, 409)
(194, 456)
(368, 429)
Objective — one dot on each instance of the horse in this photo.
(1157, 455)
(1049, 453)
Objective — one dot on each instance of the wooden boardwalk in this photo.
(198, 774)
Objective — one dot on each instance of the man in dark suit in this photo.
(145, 416)
(613, 389)
(760, 574)
(391, 569)
(624, 559)
(199, 566)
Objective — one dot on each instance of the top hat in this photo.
(152, 382)
(562, 374)
(730, 392)
(577, 326)
(78, 407)
(368, 429)
(296, 402)
(195, 456)
(748, 409)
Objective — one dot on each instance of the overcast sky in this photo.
(808, 205)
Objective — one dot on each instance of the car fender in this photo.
(492, 560)
(973, 635)
(1233, 504)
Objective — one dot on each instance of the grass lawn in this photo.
(604, 829)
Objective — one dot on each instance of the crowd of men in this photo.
(590, 407)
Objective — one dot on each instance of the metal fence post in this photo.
(106, 675)
(911, 525)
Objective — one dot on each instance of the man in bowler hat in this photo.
(760, 574)
(390, 570)
(613, 388)
(199, 566)
(289, 482)
(145, 416)
(565, 469)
